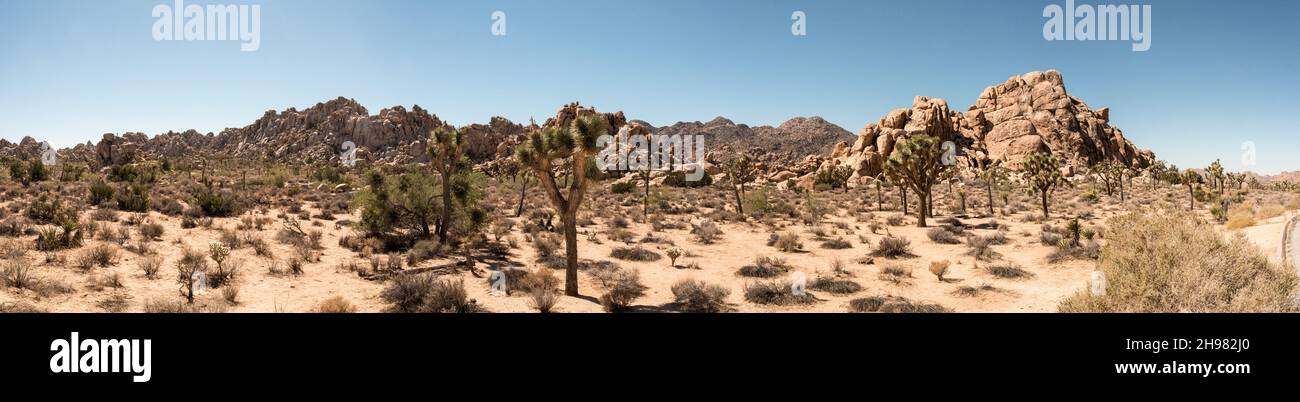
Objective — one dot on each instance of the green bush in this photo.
(133, 198)
(623, 187)
(100, 192)
(678, 179)
(214, 202)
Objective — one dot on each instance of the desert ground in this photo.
(293, 246)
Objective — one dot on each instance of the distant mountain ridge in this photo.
(400, 135)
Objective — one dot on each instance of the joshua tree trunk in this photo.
(904, 196)
(880, 198)
(1191, 196)
(739, 191)
(445, 221)
(923, 198)
(522, 191)
(1045, 211)
(571, 253)
(645, 201)
(990, 186)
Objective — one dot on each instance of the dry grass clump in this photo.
(335, 305)
(788, 242)
(892, 304)
(765, 267)
(694, 296)
(1171, 262)
(1008, 271)
(706, 232)
(943, 235)
(974, 291)
(634, 254)
(895, 274)
(834, 286)
(893, 247)
(939, 268)
(623, 287)
(778, 293)
(150, 266)
(836, 244)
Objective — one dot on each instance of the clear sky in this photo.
(1218, 73)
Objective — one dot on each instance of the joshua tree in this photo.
(993, 177)
(1043, 173)
(915, 164)
(1157, 172)
(447, 155)
(1108, 172)
(1191, 178)
(740, 170)
(1214, 172)
(575, 146)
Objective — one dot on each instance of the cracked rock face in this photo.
(1026, 114)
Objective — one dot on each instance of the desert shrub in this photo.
(623, 187)
(625, 288)
(546, 244)
(17, 274)
(834, 286)
(695, 296)
(151, 231)
(765, 267)
(335, 305)
(776, 293)
(13, 226)
(1171, 262)
(836, 244)
(543, 300)
(893, 247)
(422, 251)
(706, 232)
(134, 198)
(981, 247)
(1007, 271)
(621, 235)
(1049, 238)
(939, 268)
(943, 235)
(788, 242)
(423, 293)
(894, 274)
(115, 303)
(150, 266)
(894, 220)
(891, 304)
(231, 295)
(634, 254)
(398, 204)
(103, 255)
(678, 179)
(215, 202)
(100, 192)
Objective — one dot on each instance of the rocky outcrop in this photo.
(1009, 121)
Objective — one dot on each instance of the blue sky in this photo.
(1218, 73)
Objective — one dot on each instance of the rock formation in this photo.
(1010, 121)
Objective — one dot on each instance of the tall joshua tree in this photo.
(915, 164)
(740, 170)
(447, 155)
(1043, 173)
(573, 145)
(993, 176)
(1191, 178)
(1214, 172)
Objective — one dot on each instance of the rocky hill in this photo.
(792, 141)
(1009, 121)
